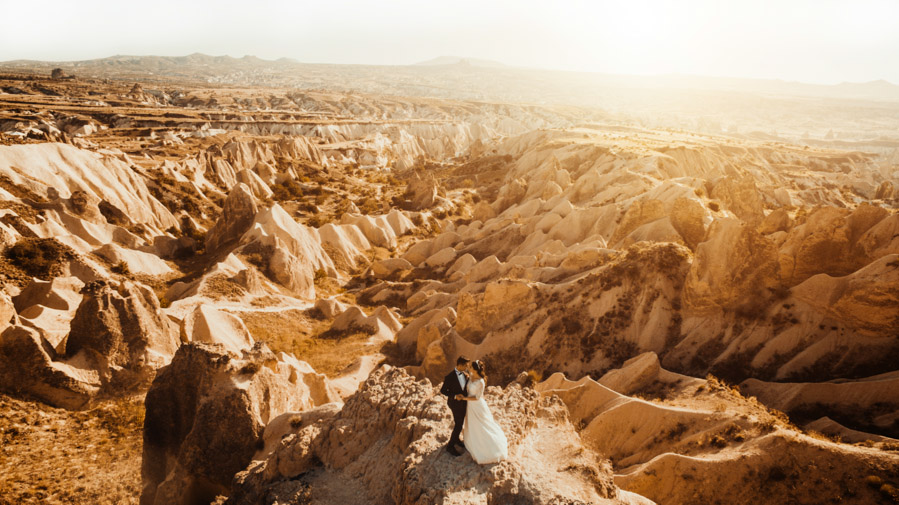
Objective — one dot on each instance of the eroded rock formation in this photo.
(206, 414)
(386, 445)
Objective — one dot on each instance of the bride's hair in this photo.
(479, 367)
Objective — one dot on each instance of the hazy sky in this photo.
(822, 41)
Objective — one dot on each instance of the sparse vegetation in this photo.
(54, 457)
(298, 333)
(39, 257)
(121, 268)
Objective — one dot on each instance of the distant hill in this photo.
(452, 77)
(458, 60)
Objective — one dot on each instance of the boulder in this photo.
(441, 258)
(483, 212)
(407, 338)
(461, 266)
(511, 193)
(329, 307)
(249, 279)
(53, 325)
(60, 293)
(418, 252)
(502, 302)
(400, 222)
(7, 311)
(488, 268)
(432, 332)
(777, 220)
(206, 414)
(292, 273)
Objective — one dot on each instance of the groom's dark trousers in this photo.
(450, 389)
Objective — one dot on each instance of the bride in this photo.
(483, 438)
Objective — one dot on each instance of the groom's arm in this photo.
(444, 389)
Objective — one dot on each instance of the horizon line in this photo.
(423, 63)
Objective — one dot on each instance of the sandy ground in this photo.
(53, 456)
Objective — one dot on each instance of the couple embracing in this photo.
(483, 438)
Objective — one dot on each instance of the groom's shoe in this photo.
(452, 450)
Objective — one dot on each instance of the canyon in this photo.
(242, 282)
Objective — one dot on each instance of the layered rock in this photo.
(703, 439)
(100, 176)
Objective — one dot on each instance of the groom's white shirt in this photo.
(461, 377)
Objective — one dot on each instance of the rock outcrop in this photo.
(117, 339)
(206, 414)
(421, 193)
(120, 331)
(28, 366)
(238, 213)
(387, 446)
(705, 440)
(211, 326)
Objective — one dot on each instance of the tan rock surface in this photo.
(387, 445)
(206, 414)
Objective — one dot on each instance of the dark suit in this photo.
(450, 389)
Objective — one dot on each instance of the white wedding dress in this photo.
(483, 438)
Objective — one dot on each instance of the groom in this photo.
(454, 383)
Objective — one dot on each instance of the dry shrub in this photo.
(121, 268)
(39, 257)
(287, 190)
(873, 481)
(890, 492)
(123, 417)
